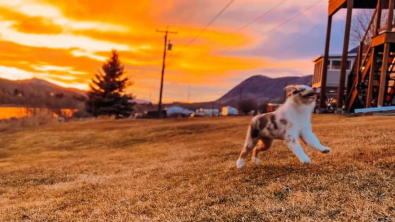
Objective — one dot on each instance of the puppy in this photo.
(289, 122)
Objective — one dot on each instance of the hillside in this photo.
(259, 88)
(262, 89)
(38, 93)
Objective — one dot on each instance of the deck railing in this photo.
(362, 57)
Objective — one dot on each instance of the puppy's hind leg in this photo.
(265, 144)
(250, 143)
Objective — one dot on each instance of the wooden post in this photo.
(315, 73)
(325, 64)
(378, 20)
(359, 61)
(372, 70)
(373, 62)
(383, 75)
(343, 67)
(390, 15)
(384, 68)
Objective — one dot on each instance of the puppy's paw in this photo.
(256, 160)
(306, 161)
(326, 150)
(240, 163)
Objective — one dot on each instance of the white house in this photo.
(229, 111)
(176, 110)
(333, 75)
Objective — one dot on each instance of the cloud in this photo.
(66, 42)
(14, 73)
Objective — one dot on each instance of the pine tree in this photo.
(107, 90)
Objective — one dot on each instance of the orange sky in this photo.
(65, 42)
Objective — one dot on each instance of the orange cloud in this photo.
(29, 24)
(65, 42)
(37, 25)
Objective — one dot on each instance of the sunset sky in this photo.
(65, 42)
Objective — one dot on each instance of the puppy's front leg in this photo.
(312, 141)
(294, 145)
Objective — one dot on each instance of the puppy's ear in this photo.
(290, 89)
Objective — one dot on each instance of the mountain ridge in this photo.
(39, 93)
(259, 88)
(262, 89)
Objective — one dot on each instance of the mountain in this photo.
(141, 101)
(262, 89)
(38, 93)
(49, 87)
(259, 88)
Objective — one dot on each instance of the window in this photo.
(336, 64)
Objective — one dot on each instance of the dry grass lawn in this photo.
(184, 170)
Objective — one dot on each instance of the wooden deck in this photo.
(336, 5)
(386, 37)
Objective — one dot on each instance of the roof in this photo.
(350, 54)
(354, 50)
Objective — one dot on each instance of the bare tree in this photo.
(247, 105)
(359, 26)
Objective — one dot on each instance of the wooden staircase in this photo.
(369, 62)
(391, 81)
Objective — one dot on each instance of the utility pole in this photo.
(163, 71)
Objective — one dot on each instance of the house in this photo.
(178, 111)
(371, 82)
(333, 72)
(229, 111)
(207, 112)
(333, 75)
(271, 107)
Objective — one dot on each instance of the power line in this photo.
(208, 24)
(259, 17)
(290, 19)
(256, 19)
(299, 37)
(283, 23)
(237, 30)
(212, 20)
(270, 30)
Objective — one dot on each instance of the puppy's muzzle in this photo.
(309, 94)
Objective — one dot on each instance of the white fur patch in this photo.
(240, 163)
(256, 160)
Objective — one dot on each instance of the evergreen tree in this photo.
(107, 90)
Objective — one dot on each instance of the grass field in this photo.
(184, 170)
